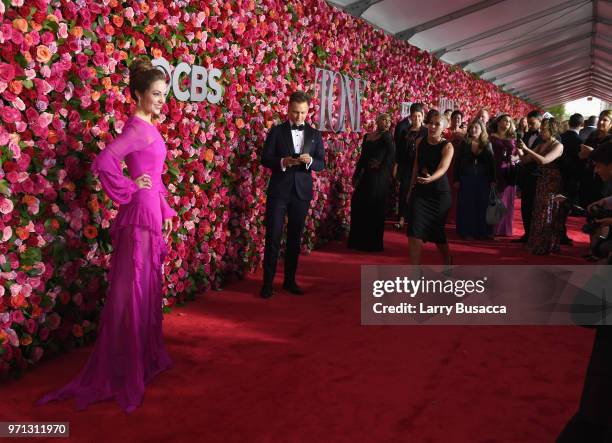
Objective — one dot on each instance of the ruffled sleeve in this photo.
(166, 210)
(108, 166)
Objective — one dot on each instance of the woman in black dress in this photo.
(430, 196)
(371, 182)
(404, 157)
(474, 176)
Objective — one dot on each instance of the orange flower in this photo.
(90, 232)
(113, 3)
(52, 18)
(109, 49)
(28, 199)
(77, 330)
(77, 32)
(144, 7)
(149, 29)
(20, 24)
(239, 123)
(52, 136)
(156, 52)
(118, 21)
(16, 87)
(209, 155)
(3, 337)
(36, 311)
(22, 233)
(195, 128)
(95, 95)
(93, 204)
(25, 340)
(43, 55)
(69, 186)
(123, 55)
(106, 82)
(18, 301)
(109, 29)
(140, 44)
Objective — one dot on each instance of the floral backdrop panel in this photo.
(64, 96)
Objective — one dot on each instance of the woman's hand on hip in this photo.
(144, 181)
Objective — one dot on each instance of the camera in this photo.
(596, 212)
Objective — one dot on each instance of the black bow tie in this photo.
(297, 127)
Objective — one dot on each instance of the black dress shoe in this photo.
(266, 291)
(522, 239)
(567, 241)
(293, 288)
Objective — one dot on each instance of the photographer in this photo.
(599, 213)
(593, 420)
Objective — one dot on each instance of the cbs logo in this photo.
(204, 84)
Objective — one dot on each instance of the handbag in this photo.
(496, 209)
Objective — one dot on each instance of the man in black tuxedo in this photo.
(526, 177)
(590, 126)
(292, 151)
(571, 168)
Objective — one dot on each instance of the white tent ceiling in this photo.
(547, 51)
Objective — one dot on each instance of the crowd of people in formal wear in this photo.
(449, 169)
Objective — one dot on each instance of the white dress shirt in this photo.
(298, 144)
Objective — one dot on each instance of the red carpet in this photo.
(303, 369)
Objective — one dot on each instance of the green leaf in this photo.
(28, 84)
(173, 170)
(90, 35)
(19, 58)
(50, 25)
(31, 256)
(4, 188)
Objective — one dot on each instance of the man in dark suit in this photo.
(292, 151)
(590, 126)
(571, 167)
(526, 177)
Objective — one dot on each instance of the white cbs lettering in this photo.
(331, 104)
(204, 84)
(444, 104)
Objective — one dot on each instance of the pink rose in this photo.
(43, 334)
(17, 317)
(10, 114)
(7, 72)
(6, 205)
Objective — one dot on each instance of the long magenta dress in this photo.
(129, 350)
(503, 150)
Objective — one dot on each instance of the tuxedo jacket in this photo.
(571, 163)
(279, 144)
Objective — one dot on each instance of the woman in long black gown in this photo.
(430, 198)
(371, 181)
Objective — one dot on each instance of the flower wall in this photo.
(64, 95)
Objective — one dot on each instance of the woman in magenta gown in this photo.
(506, 160)
(129, 350)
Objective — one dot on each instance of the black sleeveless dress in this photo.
(429, 204)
